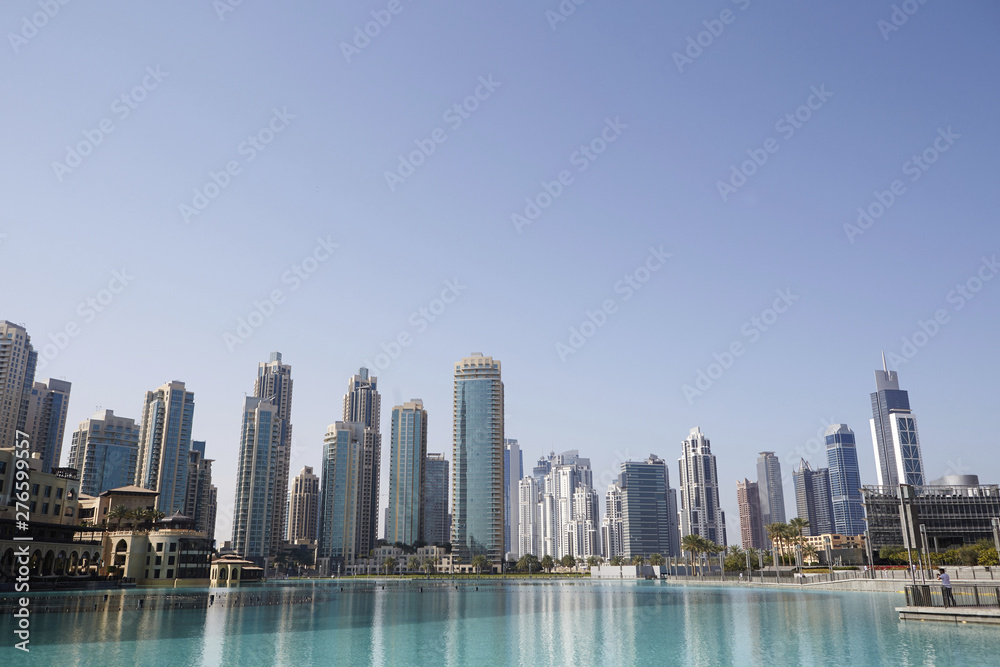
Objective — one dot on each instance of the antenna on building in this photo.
(884, 367)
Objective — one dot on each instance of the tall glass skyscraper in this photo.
(46, 420)
(164, 443)
(363, 405)
(812, 498)
(751, 526)
(845, 481)
(104, 450)
(407, 473)
(894, 433)
(18, 360)
(513, 471)
(437, 526)
(274, 383)
(340, 495)
(256, 482)
(477, 440)
(701, 512)
(769, 487)
(649, 517)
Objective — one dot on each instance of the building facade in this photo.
(528, 521)
(701, 513)
(340, 496)
(845, 481)
(477, 441)
(363, 405)
(274, 383)
(407, 473)
(17, 375)
(303, 504)
(751, 524)
(105, 450)
(649, 517)
(612, 526)
(201, 501)
(437, 522)
(513, 471)
(894, 433)
(45, 421)
(812, 498)
(770, 488)
(165, 443)
(256, 480)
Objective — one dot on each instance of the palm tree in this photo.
(567, 561)
(479, 562)
(413, 564)
(119, 512)
(548, 563)
(692, 544)
(656, 559)
(775, 533)
(389, 564)
(616, 561)
(808, 551)
(593, 561)
(429, 565)
(528, 563)
(638, 559)
(156, 515)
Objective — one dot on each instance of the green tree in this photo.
(638, 559)
(389, 564)
(567, 561)
(413, 564)
(547, 563)
(528, 563)
(429, 565)
(656, 559)
(593, 561)
(479, 562)
(616, 561)
(809, 552)
(119, 512)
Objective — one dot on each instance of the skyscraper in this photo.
(612, 526)
(647, 524)
(164, 443)
(845, 481)
(17, 374)
(478, 435)
(566, 520)
(437, 525)
(407, 473)
(303, 507)
(45, 422)
(104, 450)
(812, 498)
(751, 526)
(513, 471)
(274, 383)
(700, 511)
(363, 405)
(340, 494)
(894, 433)
(257, 497)
(528, 525)
(769, 487)
(200, 501)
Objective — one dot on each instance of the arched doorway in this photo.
(8, 569)
(48, 562)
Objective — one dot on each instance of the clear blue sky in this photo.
(676, 134)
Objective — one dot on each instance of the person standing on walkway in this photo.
(949, 598)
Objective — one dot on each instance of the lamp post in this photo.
(829, 553)
(923, 540)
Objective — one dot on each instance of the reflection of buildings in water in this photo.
(620, 613)
(708, 624)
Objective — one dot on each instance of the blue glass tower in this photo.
(845, 481)
(894, 432)
(478, 435)
(407, 473)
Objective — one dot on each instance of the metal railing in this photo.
(961, 596)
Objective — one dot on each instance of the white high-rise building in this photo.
(363, 405)
(303, 514)
(256, 482)
(566, 521)
(165, 445)
(513, 471)
(17, 374)
(529, 521)
(894, 433)
(701, 513)
(612, 526)
(274, 383)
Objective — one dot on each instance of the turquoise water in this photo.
(532, 624)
